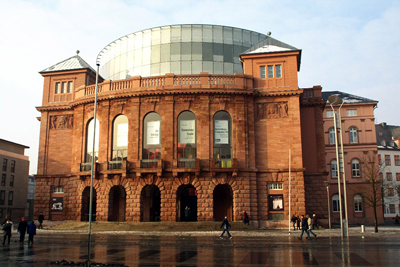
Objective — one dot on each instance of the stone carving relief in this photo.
(272, 110)
(61, 122)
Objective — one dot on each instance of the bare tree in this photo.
(372, 185)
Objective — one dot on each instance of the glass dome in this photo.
(178, 49)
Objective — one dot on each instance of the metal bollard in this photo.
(362, 228)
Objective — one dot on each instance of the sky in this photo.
(350, 46)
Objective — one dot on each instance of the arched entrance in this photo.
(187, 197)
(223, 202)
(150, 204)
(85, 205)
(116, 205)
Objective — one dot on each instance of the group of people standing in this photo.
(306, 224)
(23, 228)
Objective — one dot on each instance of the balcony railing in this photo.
(86, 167)
(149, 163)
(115, 164)
(186, 163)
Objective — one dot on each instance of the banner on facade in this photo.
(57, 204)
(122, 135)
(275, 202)
(187, 133)
(153, 133)
(221, 132)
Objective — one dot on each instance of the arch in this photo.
(151, 147)
(186, 149)
(120, 138)
(90, 130)
(187, 197)
(150, 204)
(335, 203)
(85, 204)
(355, 168)
(116, 204)
(223, 202)
(332, 136)
(222, 138)
(353, 137)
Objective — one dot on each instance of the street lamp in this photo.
(336, 100)
(327, 184)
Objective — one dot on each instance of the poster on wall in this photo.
(275, 202)
(57, 204)
(187, 133)
(153, 133)
(221, 131)
(122, 135)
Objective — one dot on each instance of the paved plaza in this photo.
(257, 248)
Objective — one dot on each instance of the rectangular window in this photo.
(389, 176)
(10, 198)
(58, 189)
(275, 186)
(63, 87)
(335, 205)
(57, 89)
(387, 160)
(4, 165)
(380, 160)
(381, 176)
(270, 71)
(329, 113)
(351, 112)
(262, 72)
(13, 166)
(397, 160)
(397, 176)
(69, 90)
(392, 208)
(11, 180)
(3, 179)
(2, 196)
(390, 192)
(278, 71)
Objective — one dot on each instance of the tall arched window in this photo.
(222, 149)
(358, 205)
(353, 135)
(151, 150)
(332, 136)
(335, 203)
(334, 169)
(120, 138)
(355, 168)
(186, 139)
(89, 140)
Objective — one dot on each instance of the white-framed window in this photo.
(358, 205)
(275, 186)
(353, 135)
(355, 168)
(58, 189)
(271, 71)
(334, 169)
(392, 208)
(335, 203)
(278, 71)
(351, 112)
(332, 135)
(262, 72)
(329, 113)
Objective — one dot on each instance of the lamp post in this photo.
(327, 184)
(336, 100)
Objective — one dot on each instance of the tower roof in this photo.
(72, 63)
(269, 45)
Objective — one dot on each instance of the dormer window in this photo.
(271, 71)
(63, 87)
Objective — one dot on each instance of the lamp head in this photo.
(334, 99)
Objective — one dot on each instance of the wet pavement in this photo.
(258, 248)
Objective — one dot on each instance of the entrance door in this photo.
(85, 205)
(188, 203)
(223, 202)
(150, 204)
(116, 206)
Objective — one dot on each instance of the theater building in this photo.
(188, 116)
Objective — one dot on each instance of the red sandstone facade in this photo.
(268, 117)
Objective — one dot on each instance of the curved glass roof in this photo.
(178, 49)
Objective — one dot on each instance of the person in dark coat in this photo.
(31, 232)
(304, 227)
(315, 222)
(294, 221)
(22, 230)
(187, 213)
(298, 223)
(246, 218)
(225, 224)
(40, 220)
(7, 228)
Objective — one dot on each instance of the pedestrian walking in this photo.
(22, 226)
(315, 221)
(396, 219)
(31, 231)
(187, 213)
(298, 223)
(246, 218)
(304, 228)
(310, 224)
(40, 220)
(225, 224)
(7, 229)
(294, 221)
